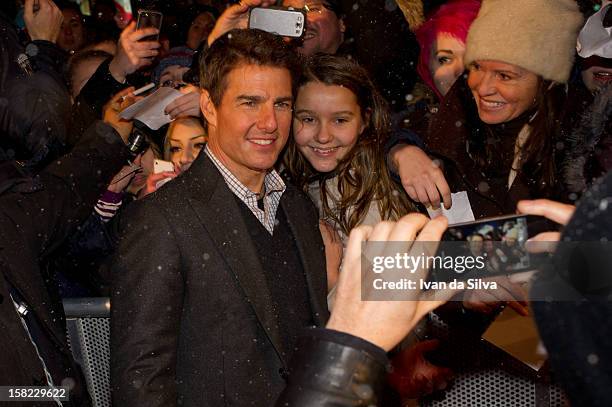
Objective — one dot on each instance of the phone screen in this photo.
(494, 246)
(149, 18)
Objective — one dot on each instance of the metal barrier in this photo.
(88, 329)
(486, 377)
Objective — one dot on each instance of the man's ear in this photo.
(208, 108)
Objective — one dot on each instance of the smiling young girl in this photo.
(336, 154)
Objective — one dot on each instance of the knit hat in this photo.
(537, 35)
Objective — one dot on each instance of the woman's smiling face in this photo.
(502, 91)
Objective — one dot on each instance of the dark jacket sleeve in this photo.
(576, 326)
(88, 105)
(146, 296)
(400, 135)
(331, 368)
(62, 195)
(35, 106)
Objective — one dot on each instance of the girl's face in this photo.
(186, 138)
(326, 124)
(446, 61)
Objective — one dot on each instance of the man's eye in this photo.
(248, 103)
(283, 105)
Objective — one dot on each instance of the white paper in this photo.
(594, 39)
(150, 110)
(460, 211)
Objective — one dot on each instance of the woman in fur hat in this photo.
(497, 132)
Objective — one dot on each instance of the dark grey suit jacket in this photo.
(191, 318)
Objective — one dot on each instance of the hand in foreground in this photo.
(153, 182)
(123, 178)
(555, 211)
(413, 376)
(385, 323)
(46, 23)
(186, 105)
(112, 109)
(132, 54)
(508, 292)
(421, 177)
(236, 16)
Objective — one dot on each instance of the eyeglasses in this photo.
(317, 8)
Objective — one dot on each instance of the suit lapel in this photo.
(310, 247)
(217, 209)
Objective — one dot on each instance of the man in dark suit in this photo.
(218, 271)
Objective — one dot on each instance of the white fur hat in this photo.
(537, 35)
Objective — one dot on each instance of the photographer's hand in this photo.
(235, 16)
(386, 323)
(44, 24)
(131, 53)
(186, 105)
(114, 106)
(555, 211)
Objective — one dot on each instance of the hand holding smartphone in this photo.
(494, 246)
(279, 21)
(149, 19)
(160, 166)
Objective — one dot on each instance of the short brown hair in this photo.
(254, 47)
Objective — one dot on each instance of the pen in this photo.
(139, 91)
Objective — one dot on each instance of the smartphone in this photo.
(162, 166)
(278, 20)
(149, 18)
(488, 247)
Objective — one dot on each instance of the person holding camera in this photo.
(38, 213)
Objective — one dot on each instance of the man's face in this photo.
(324, 30)
(250, 127)
(72, 34)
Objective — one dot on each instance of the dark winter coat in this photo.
(589, 151)
(35, 216)
(34, 108)
(577, 333)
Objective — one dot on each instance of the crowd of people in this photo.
(234, 270)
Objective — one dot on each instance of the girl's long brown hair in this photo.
(362, 175)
